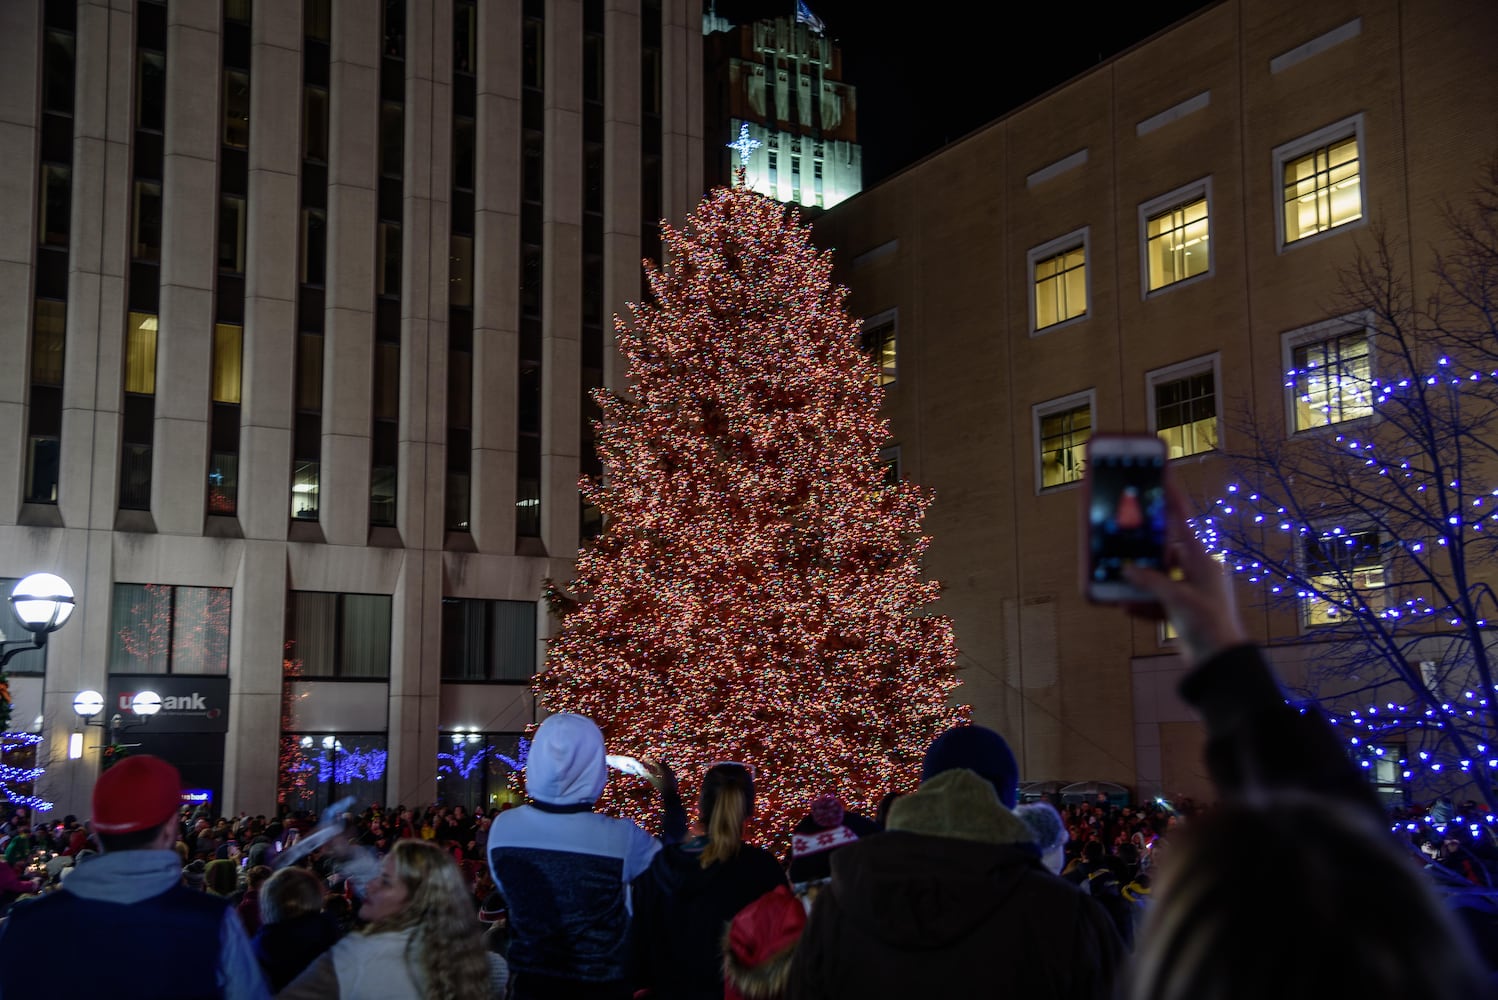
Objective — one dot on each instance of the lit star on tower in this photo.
(745, 144)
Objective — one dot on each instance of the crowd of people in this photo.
(1290, 884)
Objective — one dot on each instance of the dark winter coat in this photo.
(287, 947)
(682, 910)
(953, 901)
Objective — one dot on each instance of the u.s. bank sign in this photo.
(190, 703)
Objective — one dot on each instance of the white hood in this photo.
(565, 766)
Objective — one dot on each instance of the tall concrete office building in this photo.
(305, 299)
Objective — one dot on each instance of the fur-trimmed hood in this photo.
(961, 804)
(953, 857)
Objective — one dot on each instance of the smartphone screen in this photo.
(1125, 512)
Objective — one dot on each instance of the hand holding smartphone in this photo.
(1124, 514)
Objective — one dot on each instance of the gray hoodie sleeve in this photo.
(238, 971)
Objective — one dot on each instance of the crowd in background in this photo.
(1289, 884)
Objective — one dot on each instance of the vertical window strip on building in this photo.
(143, 293)
(590, 521)
(54, 219)
(233, 218)
(458, 493)
(384, 434)
(312, 250)
(532, 166)
(651, 174)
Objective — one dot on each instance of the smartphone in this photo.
(1125, 513)
(628, 765)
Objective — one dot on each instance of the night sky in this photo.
(929, 73)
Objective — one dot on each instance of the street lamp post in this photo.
(42, 603)
(91, 703)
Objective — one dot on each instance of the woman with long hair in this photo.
(423, 940)
(692, 891)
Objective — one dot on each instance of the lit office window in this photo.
(1322, 188)
(1176, 241)
(1331, 380)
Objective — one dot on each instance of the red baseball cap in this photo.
(138, 793)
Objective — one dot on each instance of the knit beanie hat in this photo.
(1045, 823)
(194, 874)
(136, 794)
(828, 827)
(978, 749)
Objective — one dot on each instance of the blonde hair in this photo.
(727, 790)
(446, 946)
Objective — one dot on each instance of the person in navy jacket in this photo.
(566, 871)
(124, 918)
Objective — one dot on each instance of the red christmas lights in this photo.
(756, 592)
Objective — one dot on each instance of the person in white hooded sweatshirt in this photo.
(565, 871)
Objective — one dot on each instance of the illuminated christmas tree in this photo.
(756, 593)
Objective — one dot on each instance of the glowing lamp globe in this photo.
(146, 703)
(43, 602)
(88, 704)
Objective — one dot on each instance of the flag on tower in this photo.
(806, 17)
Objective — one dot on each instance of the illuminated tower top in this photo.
(781, 77)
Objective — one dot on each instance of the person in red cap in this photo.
(124, 918)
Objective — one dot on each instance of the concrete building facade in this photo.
(307, 296)
(1144, 248)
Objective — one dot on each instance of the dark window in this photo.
(464, 30)
(150, 91)
(309, 373)
(231, 233)
(593, 68)
(43, 462)
(161, 629)
(390, 260)
(57, 73)
(57, 200)
(338, 635)
(147, 242)
(314, 246)
(317, 19)
(236, 109)
(488, 640)
(532, 54)
(395, 29)
(392, 139)
(463, 135)
(315, 124)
